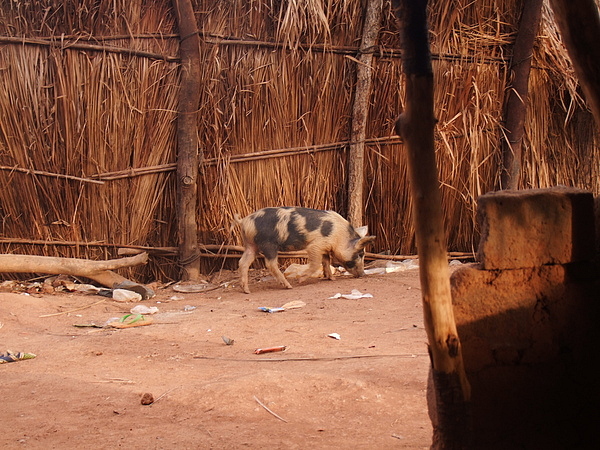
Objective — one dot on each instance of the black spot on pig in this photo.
(313, 217)
(296, 239)
(349, 264)
(326, 228)
(266, 237)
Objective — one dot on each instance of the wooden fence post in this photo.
(362, 94)
(416, 126)
(516, 104)
(188, 158)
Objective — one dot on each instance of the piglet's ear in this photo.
(362, 231)
(364, 241)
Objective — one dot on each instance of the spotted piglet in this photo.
(321, 233)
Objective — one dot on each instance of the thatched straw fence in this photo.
(88, 110)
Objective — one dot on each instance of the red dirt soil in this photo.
(84, 389)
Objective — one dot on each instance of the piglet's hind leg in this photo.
(274, 269)
(244, 265)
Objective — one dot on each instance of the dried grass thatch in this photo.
(90, 96)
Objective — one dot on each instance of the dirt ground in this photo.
(83, 390)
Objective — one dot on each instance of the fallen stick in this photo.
(269, 411)
(99, 271)
(323, 358)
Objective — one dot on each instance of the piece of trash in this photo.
(112, 319)
(227, 340)
(195, 288)
(294, 271)
(143, 309)
(189, 308)
(411, 263)
(294, 304)
(125, 295)
(270, 310)
(289, 305)
(87, 289)
(392, 266)
(334, 336)
(354, 295)
(260, 351)
(131, 320)
(11, 356)
(145, 292)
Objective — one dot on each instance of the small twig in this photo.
(169, 391)
(73, 310)
(268, 410)
(49, 174)
(116, 380)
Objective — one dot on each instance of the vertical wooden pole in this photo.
(579, 25)
(362, 94)
(516, 104)
(416, 126)
(188, 158)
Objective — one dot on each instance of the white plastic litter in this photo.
(124, 295)
(111, 320)
(295, 271)
(143, 309)
(334, 336)
(354, 295)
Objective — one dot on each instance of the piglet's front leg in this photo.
(315, 260)
(327, 274)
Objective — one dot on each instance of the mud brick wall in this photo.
(535, 227)
(527, 319)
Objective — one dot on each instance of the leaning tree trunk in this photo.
(516, 104)
(187, 141)
(99, 271)
(416, 126)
